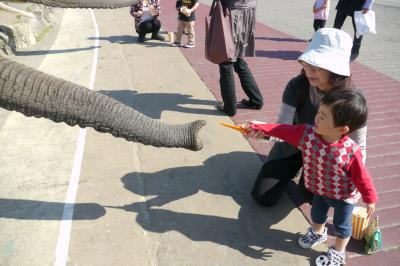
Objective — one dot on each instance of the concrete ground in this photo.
(139, 205)
(134, 204)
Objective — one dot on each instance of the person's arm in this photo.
(157, 6)
(360, 136)
(135, 12)
(178, 5)
(367, 6)
(315, 9)
(363, 181)
(286, 114)
(289, 133)
(194, 7)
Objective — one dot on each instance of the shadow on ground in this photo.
(153, 104)
(231, 175)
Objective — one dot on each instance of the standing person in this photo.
(346, 8)
(326, 67)
(333, 168)
(243, 17)
(321, 13)
(146, 14)
(186, 18)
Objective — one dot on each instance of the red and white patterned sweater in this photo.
(333, 170)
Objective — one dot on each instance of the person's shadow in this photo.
(153, 104)
(230, 175)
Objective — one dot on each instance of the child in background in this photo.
(333, 167)
(186, 18)
(321, 13)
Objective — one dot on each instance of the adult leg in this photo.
(144, 28)
(248, 83)
(156, 26)
(339, 19)
(227, 84)
(355, 50)
(273, 179)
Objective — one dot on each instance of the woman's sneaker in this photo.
(312, 238)
(331, 258)
(190, 45)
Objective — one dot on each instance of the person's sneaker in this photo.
(190, 45)
(331, 258)
(141, 39)
(177, 44)
(312, 238)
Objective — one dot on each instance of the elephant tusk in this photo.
(14, 10)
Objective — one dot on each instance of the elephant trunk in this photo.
(85, 3)
(37, 94)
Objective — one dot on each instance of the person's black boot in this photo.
(141, 38)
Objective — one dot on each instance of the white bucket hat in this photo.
(329, 49)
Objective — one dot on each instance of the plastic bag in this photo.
(365, 23)
(373, 237)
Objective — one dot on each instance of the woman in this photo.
(145, 13)
(326, 67)
(243, 17)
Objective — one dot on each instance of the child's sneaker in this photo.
(312, 238)
(177, 44)
(331, 258)
(190, 45)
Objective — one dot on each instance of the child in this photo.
(321, 13)
(333, 168)
(186, 18)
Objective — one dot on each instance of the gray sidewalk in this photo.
(135, 204)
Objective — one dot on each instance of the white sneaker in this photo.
(331, 258)
(190, 45)
(312, 238)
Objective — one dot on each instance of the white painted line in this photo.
(66, 223)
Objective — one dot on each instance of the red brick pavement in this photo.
(273, 67)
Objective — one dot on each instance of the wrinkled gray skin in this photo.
(37, 94)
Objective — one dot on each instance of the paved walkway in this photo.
(274, 65)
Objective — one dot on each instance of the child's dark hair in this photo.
(348, 106)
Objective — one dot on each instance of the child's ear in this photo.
(343, 130)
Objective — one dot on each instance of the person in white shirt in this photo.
(346, 8)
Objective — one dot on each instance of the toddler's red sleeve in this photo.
(289, 133)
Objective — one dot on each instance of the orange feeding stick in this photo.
(238, 128)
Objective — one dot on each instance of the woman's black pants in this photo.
(274, 177)
(152, 26)
(227, 84)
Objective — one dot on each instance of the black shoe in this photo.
(141, 38)
(156, 36)
(221, 108)
(248, 105)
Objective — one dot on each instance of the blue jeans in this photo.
(341, 217)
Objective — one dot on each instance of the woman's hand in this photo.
(370, 209)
